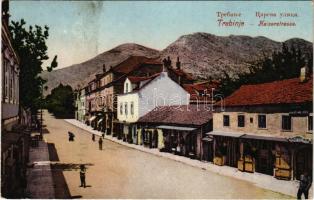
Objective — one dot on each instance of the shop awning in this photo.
(207, 139)
(259, 137)
(92, 118)
(179, 128)
(226, 134)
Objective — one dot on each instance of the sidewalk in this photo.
(258, 179)
(39, 178)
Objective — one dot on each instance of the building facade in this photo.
(266, 128)
(177, 129)
(80, 103)
(14, 120)
(143, 94)
(101, 94)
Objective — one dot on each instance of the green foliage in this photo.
(30, 45)
(281, 65)
(61, 102)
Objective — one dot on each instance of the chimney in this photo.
(178, 63)
(104, 68)
(304, 73)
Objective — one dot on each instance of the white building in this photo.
(143, 94)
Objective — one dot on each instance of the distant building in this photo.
(143, 94)
(266, 128)
(176, 129)
(80, 102)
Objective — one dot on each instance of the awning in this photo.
(207, 139)
(226, 134)
(259, 137)
(92, 118)
(179, 128)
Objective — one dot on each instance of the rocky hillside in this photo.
(201, 54)
(204, 54)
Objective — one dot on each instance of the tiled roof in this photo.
(133, 62)
(196, 88)
(188, 115)
(137, 79)
(279, 92)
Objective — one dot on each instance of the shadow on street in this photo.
(61, 187)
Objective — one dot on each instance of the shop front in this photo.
(225, 148)
(208, 151)
(149, 137)
(302, 156)
(258, 153)
(180, 141)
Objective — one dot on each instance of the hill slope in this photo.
(201, 54)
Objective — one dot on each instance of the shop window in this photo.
(261, 121)
(286, 123)
(310, 123)
(121, 108)
(241, 120)
(226, 120)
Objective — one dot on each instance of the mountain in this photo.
(81, 74)
(202, 54)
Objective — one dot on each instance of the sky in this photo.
(80, 30)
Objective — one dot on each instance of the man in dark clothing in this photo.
(305, 184)
(93, 137)
(82, 176)
(100, 143)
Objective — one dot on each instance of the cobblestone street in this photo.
(121, 172)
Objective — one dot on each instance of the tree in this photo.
(281, 65)
(61, 101)
(30, 45)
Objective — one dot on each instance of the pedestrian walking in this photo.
(71, 136)
(82, 175)
(304, 187)
(93, 137)
(100, 143)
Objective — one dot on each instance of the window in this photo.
(286, 123)
(132, 108)
(226, 120)
(241, 120)
(261, 121)
(126, 87)
(126, 108)
(310, 123)
(121, 108)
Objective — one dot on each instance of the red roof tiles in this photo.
(188, 115)
(137, 79)
(278, 92)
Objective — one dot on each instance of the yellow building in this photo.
(266, 128)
